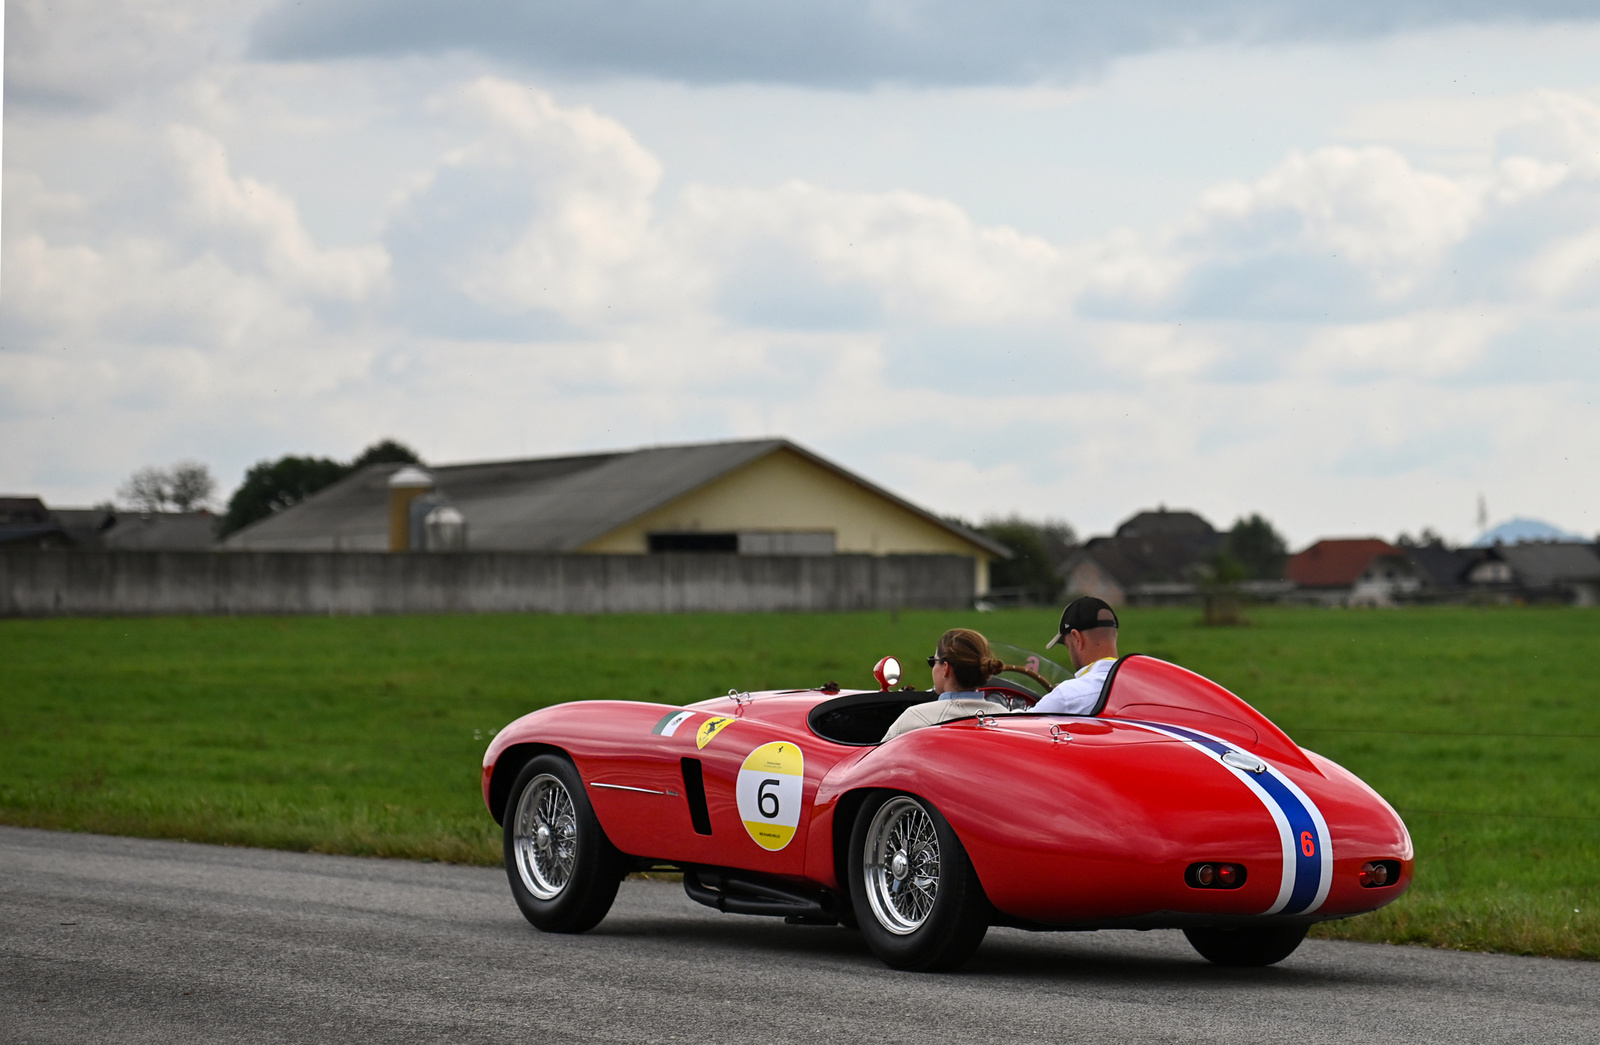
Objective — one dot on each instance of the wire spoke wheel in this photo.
(901, 865)
(915, 894)
(545, 833)
(562, 868)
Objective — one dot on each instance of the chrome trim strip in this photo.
(641, 790)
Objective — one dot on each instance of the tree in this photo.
(1037, 549)
(1219, 590)
(1427, 538)
(1059, 539)
(190, 486)
(185, 487)
(145, 490)
(1258, 548)
(272, 486)
(385, 451)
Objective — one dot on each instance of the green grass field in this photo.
(364, 735)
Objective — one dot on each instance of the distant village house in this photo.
(1153, 558)
(1364, 571)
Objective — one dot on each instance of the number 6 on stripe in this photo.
(1308, 845)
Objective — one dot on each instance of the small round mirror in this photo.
(887, 672)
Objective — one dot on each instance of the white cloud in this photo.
(548, 207)
(554, 208)
(920, 259)
(1556, 127)
(1368, 206)
(1341, 332)
(1363, 239)
(1323, 233)
(1422, 344)
(269, 223)
(1160, 351)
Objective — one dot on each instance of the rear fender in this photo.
(1365, 827)
(1100, 824)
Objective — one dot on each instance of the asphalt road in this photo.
(127, 940)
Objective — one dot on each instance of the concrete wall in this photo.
(65, 583)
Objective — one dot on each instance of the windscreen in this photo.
(1016, 657)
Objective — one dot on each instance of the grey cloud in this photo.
(1556, 348)
(465, 215)
(84, 54)
(1272, 287)
(1456, 445)
(844, 43)
(769, 286)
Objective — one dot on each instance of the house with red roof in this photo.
(1360, 571)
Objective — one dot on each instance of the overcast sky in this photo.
(1335, 262)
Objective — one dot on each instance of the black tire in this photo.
(566, 880)
(907, 925)
(1243, 948)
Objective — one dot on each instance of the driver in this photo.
(1089, 631)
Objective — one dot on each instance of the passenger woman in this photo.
(961, 662)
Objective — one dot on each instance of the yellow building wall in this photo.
(785, 491)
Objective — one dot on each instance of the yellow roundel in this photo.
(768, 790)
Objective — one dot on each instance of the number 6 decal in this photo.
(768, 793)
(1308, 844)
(763, 796)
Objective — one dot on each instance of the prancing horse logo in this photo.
(709, 729)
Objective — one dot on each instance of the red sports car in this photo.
(1174, 805)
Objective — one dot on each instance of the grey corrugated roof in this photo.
(565, 512)
(1444, 567)
(555, 504)
(161, 531)
(1542, 565)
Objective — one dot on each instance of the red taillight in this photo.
(1214, 876)
(1376, 873)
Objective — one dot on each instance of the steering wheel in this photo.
(1012, 695)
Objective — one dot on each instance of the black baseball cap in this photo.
(1084, 614)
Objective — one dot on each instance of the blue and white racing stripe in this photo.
(1307, 846)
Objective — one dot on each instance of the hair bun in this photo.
(993, 666)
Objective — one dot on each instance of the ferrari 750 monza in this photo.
(1174, 805)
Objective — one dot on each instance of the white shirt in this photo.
(1079, 694)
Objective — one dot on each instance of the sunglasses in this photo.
(936, 659)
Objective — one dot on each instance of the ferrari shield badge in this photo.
(768, 791)
(709, 729)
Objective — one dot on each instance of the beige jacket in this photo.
(936, 711)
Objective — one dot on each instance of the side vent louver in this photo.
(694, 789)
